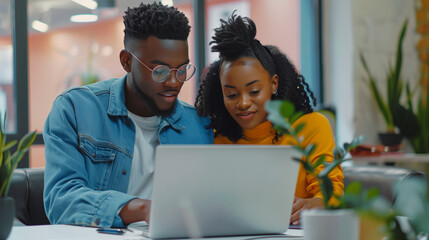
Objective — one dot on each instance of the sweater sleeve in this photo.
(317, 131)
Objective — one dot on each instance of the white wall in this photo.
(371, 27)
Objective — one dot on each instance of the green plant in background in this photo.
(394, 114)
(8, 161)
(366, 203)
(420, 141)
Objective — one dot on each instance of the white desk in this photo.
(395, 158)
(419, 162)
(68, 232)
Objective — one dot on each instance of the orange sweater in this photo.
(317, 131)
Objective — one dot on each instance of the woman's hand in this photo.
(135, 210)
(303, 203)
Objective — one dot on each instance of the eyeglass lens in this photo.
(161, 73)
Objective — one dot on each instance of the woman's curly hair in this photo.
(156, 20)
(234, 39)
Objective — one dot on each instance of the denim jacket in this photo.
(89, 145)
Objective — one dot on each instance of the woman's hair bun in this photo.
(233, 36)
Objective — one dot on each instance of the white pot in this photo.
(322, 224)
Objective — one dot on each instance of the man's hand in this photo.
(135, 210)
(303, 203)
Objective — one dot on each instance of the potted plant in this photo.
(8, 162)
(393, 112)
(420, 141)
(367, 203)
(412, 203)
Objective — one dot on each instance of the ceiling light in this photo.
(167, 2)
(84, 18)
(39, 26)
(91, 4)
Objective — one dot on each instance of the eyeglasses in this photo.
(161, 73)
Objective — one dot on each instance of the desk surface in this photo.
(397, 158)
(68, 232)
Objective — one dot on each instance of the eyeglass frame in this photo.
(171, 69)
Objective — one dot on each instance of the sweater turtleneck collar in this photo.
(260, 132)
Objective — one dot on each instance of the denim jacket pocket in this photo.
(100, 156)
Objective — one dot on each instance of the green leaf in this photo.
(381, 104)
(305, 164)
(327, 188)
(378, 207)
(299, 149)
(287, 109)
(299, 128)
(298, 159)
(365, 66)
(274, 116)
(9, 145)
(329, 167)
(372, 193)
(4, 175)
(319, 161)
(26, 141)
(409, 96)
(295, 117)
(353, 188)
(396, 231)
(6, 158)
(355, 143)
(398, 64)
(273, 106)
(15, 159)
(8, 161)
(310, 149)
(280, 130)
(339, 153)
(406, 121)
(5, 188)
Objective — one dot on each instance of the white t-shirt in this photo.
(143, 163)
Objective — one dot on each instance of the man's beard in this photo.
(150, 103)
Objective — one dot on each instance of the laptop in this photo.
(221, 190)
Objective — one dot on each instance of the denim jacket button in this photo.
(124, 172)
(94, 155)
(97, 221)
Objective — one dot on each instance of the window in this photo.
(6, 68)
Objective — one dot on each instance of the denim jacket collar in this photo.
(117, 106)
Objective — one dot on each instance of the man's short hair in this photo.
(155, 20)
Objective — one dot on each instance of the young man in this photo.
(100, 139)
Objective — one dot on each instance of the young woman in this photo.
(235, 88)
